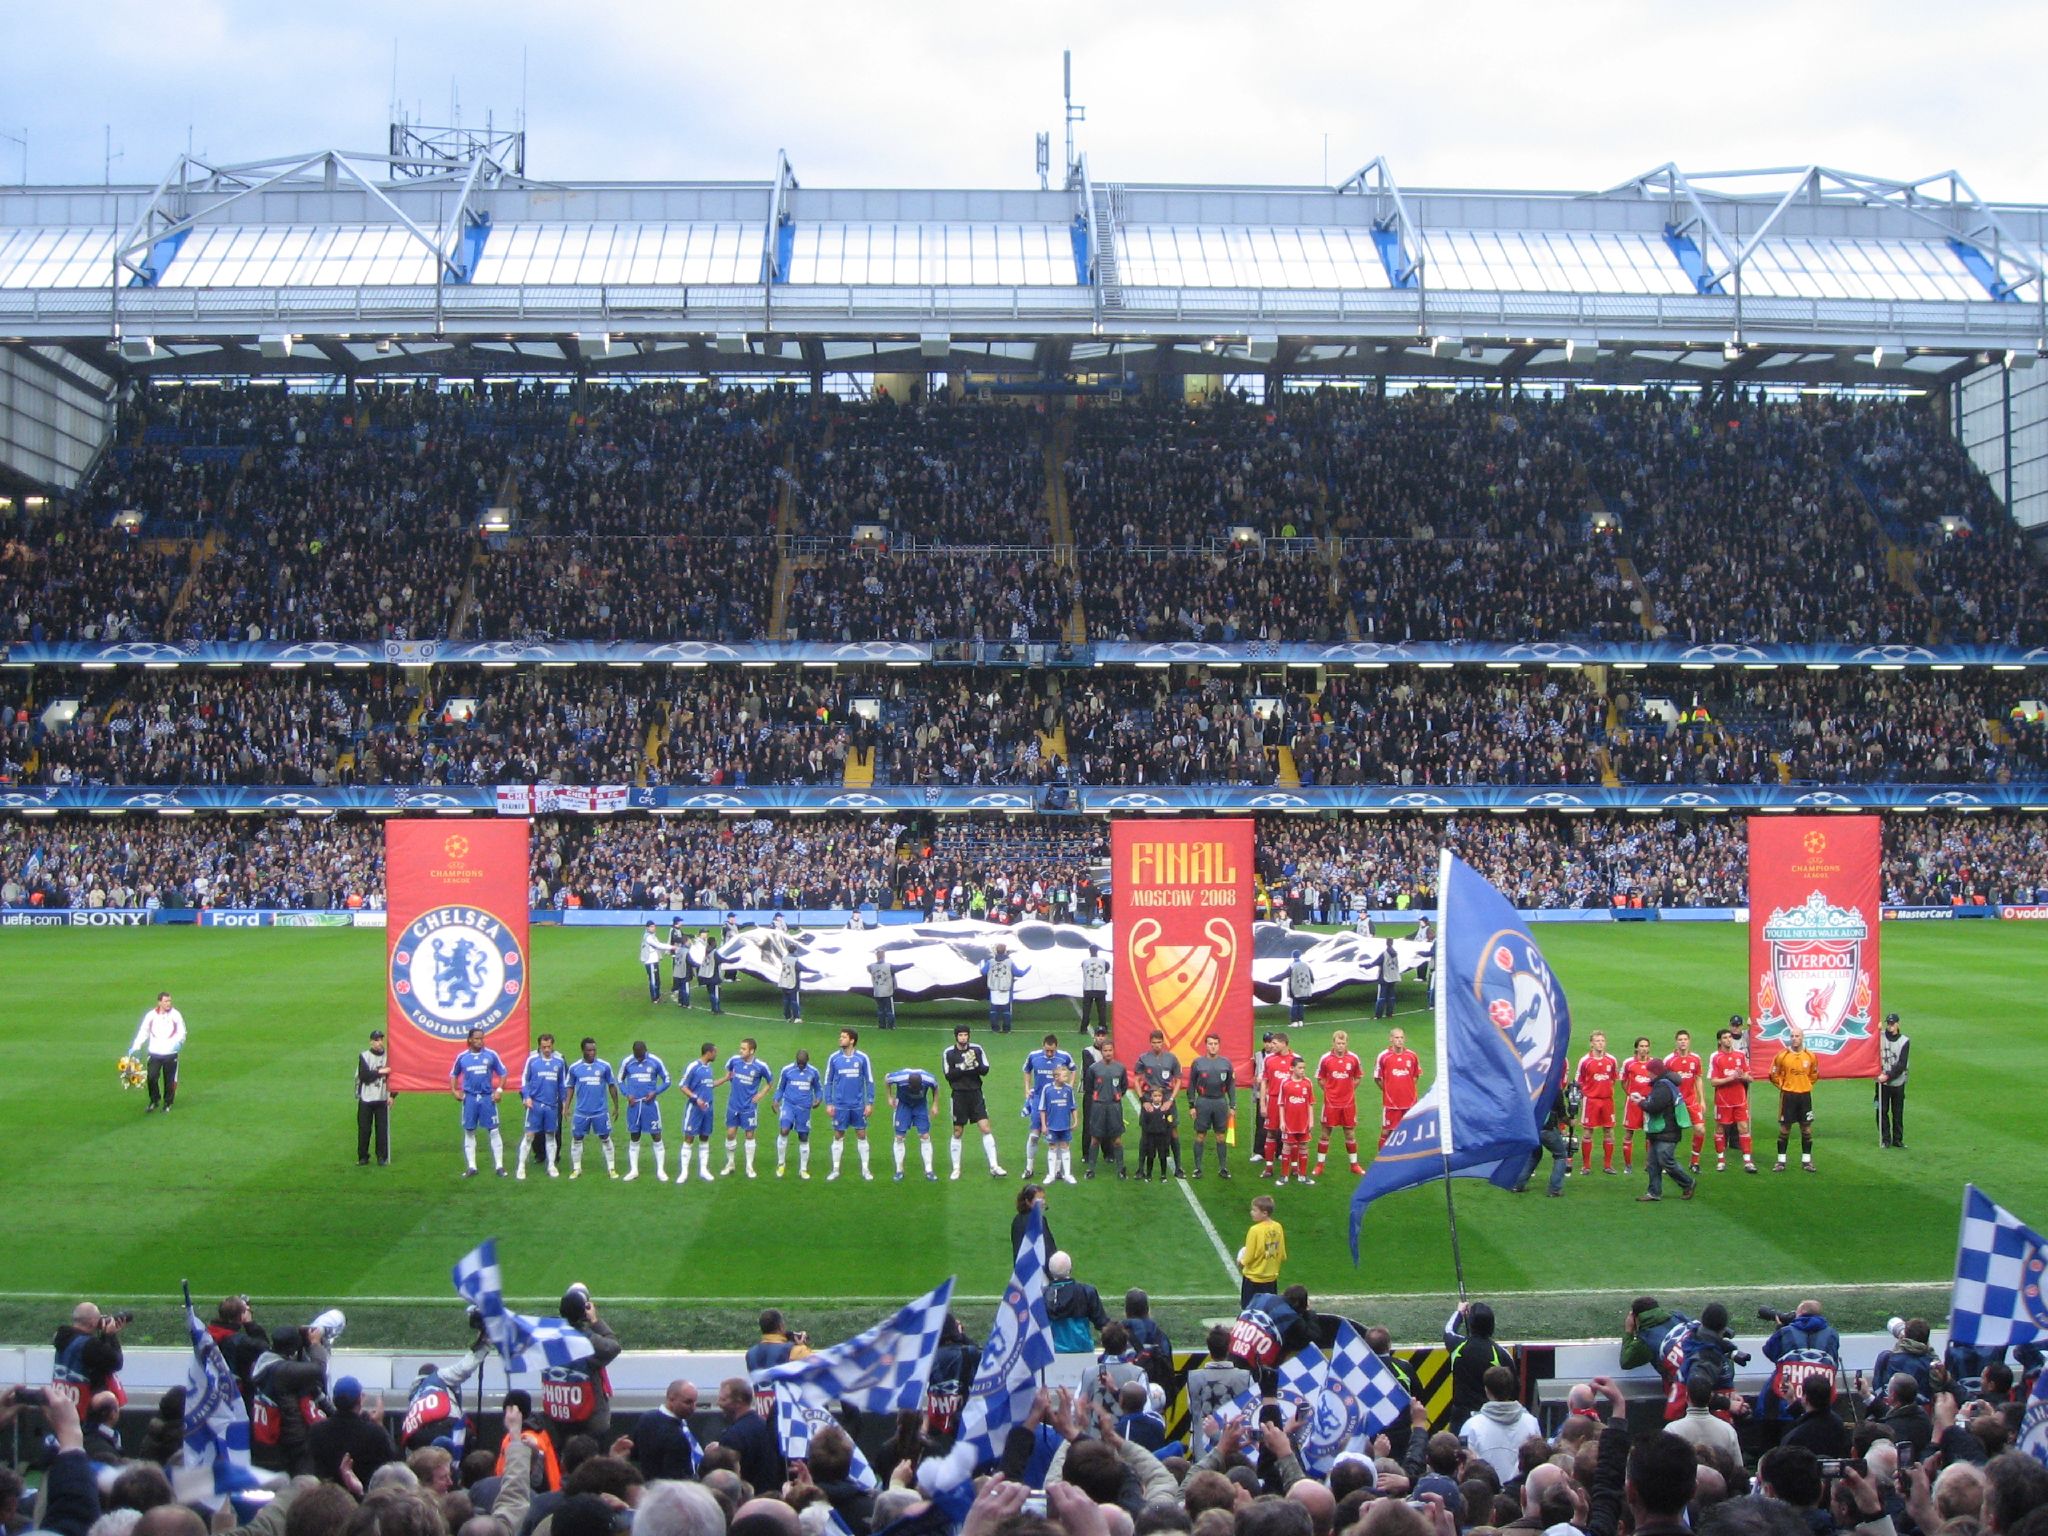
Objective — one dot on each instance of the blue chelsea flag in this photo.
(1503, 1033)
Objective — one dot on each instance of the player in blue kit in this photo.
(850, 1094)
(1056, 1124)
(700, 1088)
(594, 1099)
(542, 1087)
(910, 1094)
(642, 1082)
(1039, 1067)
(749, 1078)
(797, 1092)
(478, 1079)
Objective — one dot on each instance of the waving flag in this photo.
(802, 1411)
(2001, 1264)
(1018, 1353)
(523, 1343)
(1503, 1031)
(1380, 1399)
(1325, 1418)
(884, 1370)
(216, 1462)
(2034, 1427)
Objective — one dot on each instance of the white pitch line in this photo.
(1215, 1238)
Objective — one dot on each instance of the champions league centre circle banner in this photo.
(456, 956)
(1814, 904)
(1182, 892)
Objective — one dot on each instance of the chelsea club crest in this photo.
(457, 968)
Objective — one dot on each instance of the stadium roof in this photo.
(360, 262)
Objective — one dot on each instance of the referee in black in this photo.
(373, 1102)
(1893, 1048)
(1107, 1083)
(1212, 1095)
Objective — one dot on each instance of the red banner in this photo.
(1814, 905)
(456, 956)
(1182, 895)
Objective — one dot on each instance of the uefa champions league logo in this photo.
(455, 969)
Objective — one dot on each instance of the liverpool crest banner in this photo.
(1182, 892)
(1814, 904)
(455, 945)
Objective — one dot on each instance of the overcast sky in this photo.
(1545, 93)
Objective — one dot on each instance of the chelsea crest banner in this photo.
(1814, 904)
(1182, 894)
(455, 956)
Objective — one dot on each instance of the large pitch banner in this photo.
(1814, 905)
(455, 945)
(1182, 892)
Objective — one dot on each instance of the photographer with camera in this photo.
(1654, 1335)
(1804, 1345)
(241, 1338)
(1710, 1347)
(88, 1355)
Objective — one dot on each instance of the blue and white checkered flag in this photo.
(2001, 1264)
(2034, 1426)
(523, 1343)
(801, 1412)
(1322, 1417)
(1018, 1354)
(1378, 1398)
(216, 1462)
(884, 1370)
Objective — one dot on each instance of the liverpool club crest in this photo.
(1817, 980)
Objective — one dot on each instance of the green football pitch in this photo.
(252, 1184)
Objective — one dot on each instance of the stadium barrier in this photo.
(837, 917)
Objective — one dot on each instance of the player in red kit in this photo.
(1685, 1065)
(1397, 1072)
(1295, 1101)
(1729, 1073)
(1598, 1073)
(1637, 1073)
(1278, 1062)
(1339, 1072)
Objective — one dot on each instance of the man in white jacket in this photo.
(162, 1030)
(1497, 1430)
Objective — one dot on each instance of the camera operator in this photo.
(577, 1398)
(1710, 1347)
(436, 1397)
(290, 1396)
(1804, 1345)
(1910, 1355)
(1655, 1335)
(88, 1356)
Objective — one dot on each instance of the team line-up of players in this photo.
(1057, 1103)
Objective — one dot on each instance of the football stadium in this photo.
(784, 857)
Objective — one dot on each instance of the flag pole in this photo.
(1443, 1108)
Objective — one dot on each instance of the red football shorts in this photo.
(1598, 1114)
(1390, 1116)
(1343, 1117)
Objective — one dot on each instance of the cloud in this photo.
(1561, 95)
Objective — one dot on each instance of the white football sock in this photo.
(611, 1164)
(660, 1161)
(988, 1149)
(838, 1151)
(525, 1150)
(576, 1157)
(863, 1155)
(1031, 1150)
(469, 1150)
(782, 1149)
(926, 1147)
(803, 1155)
(897, 1150)
(704, 1159)
(750, 1157)
(497, 1149)
(956, 1154)
(632, 1157)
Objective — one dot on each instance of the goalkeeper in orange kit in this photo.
(1793, 1070)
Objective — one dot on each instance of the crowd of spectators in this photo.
(653, 512)
(1186, 725)
(215, 861)
(1942, 1447)
(1316, 869)
(1004, 597)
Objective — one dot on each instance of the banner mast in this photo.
(1443, 1057)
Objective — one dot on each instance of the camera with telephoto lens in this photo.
(1773, 1315)
(119, 1319)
